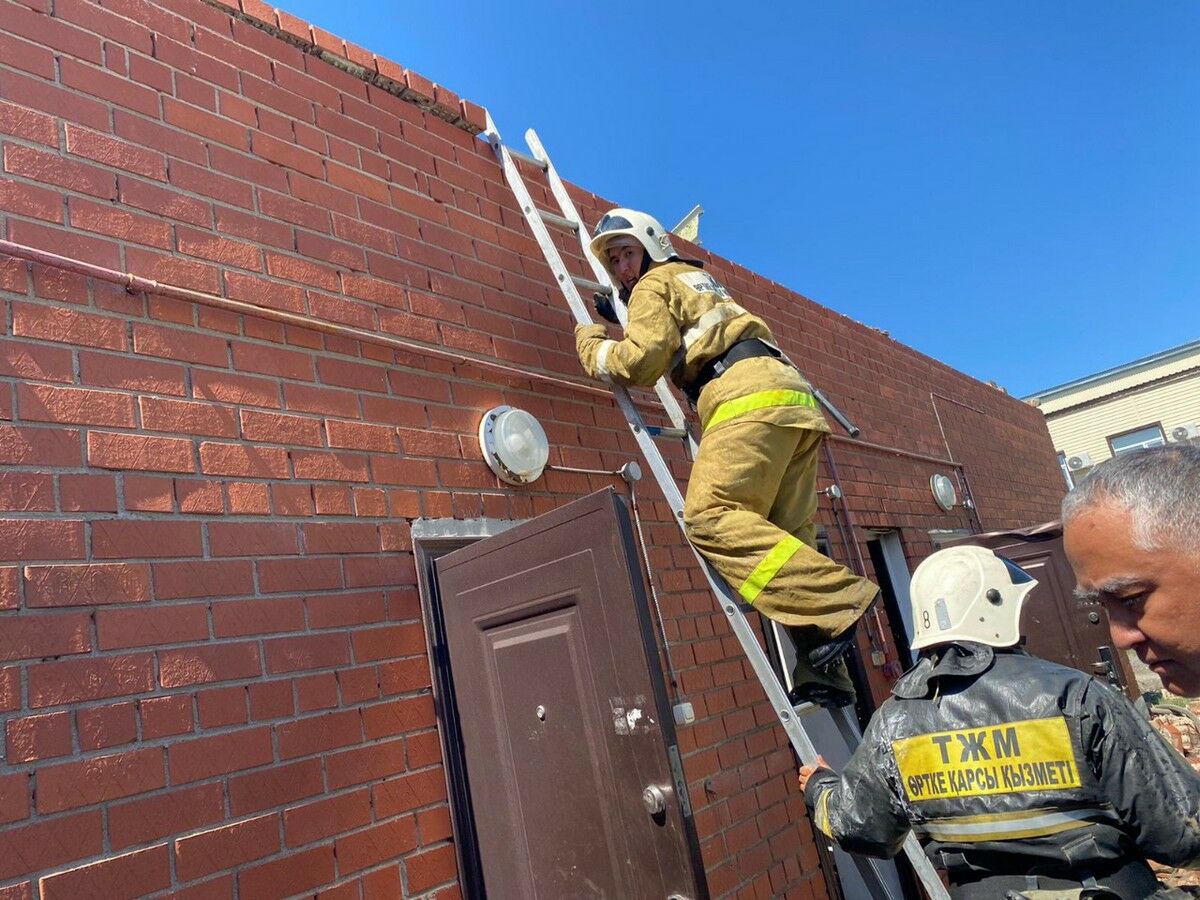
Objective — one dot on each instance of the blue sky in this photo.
(1012, 188)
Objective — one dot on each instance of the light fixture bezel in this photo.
(941, 486)
(491, 455)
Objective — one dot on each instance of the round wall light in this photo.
(943, 492)
(513, 444)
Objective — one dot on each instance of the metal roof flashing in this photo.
(1144, 364)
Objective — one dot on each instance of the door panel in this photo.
(891, 571)
(1055, 624)
(562, 711)
(1049, 620)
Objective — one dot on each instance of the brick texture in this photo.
(213, 666)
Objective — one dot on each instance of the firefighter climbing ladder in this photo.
(873, 880)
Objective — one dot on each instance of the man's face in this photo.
(1150, 595)
(626, 262)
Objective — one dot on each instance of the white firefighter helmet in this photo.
(643, 228)
(968, 594)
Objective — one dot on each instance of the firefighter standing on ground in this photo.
(751, 497)
(1021, 777)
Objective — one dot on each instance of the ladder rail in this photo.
(788, 716)
(566, 281)
(540, 233)
(567, 205)
(675, 412)
(542, 160)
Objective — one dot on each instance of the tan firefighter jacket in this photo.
(680, 317)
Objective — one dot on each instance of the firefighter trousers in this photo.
(750, 505)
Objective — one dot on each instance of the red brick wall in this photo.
(213, 667)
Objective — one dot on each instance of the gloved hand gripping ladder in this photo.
(790, 718)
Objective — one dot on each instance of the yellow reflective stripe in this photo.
(602, 358)
(1103, 812)
(821, 819)
(711, 319)
(768, 568)
(1007, 835)
(1011, 826)
(739, 406)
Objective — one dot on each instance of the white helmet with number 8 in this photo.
(968, 593)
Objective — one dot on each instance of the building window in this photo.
(1062, 464)
(1148, 436)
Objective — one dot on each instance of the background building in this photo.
(1143, 403)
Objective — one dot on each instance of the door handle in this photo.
(654, 799)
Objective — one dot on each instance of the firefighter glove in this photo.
(603, 303)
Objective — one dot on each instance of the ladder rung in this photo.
(532, 160)
(805, 709)
(874, 880)
(588, 284)
(562, 222)
(665, 432)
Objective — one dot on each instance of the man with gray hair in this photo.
(1132, 534)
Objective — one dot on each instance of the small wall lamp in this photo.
(514, 445)
(943, 492)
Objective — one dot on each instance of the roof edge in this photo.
(1162, 356)
(358, 62)
(1131, 390)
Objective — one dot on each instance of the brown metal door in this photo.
(1055, 624)
(562, 711)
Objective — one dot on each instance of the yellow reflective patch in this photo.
(768, 568)
(821, 820)
(1008, 834)
(739, 406)
(1009, 758)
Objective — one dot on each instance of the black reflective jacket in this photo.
(1002, 764)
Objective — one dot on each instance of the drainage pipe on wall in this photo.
(962, 472)
(136, 283)
(958, 467)
(879, 641)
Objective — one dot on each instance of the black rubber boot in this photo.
(823, 655)
(824, 695)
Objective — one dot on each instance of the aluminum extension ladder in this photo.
(866, 879)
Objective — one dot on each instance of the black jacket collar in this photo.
(963, 659)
